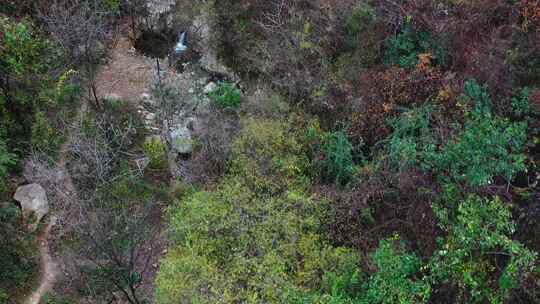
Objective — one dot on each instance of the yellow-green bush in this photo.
(268, 154)
(154, 149)
(257, 238)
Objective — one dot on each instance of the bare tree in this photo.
(118, 242)
(215, 138)
(96, 144)
(82, 28)
(114, 229)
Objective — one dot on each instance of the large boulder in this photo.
(210, 87)
(209, 60)
(34, 203)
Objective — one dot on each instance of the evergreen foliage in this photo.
(331, 155)
(483, 147)
(226, 95)
(404, 48)
(337, 164)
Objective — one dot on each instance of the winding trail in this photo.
(49, 269)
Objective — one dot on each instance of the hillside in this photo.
(269, 151)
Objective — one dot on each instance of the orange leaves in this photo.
(445, 94)
(424, 62)
(530, 14)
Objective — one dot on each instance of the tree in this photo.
(18, 258)
(394, 281)
(82, 29)
(118, 240)
(479, 256)
(28, 64)
(484, 146)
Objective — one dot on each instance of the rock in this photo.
(209, 60)
(181, 141)
(112, 97)
(150, 117)
(145, 96)
(33, 200)
(210, 87)
(203, 81)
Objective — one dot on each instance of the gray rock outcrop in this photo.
(34, 203)
(160, 14)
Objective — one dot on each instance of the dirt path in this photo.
(48, 267)
(127, 75)
(66, 192)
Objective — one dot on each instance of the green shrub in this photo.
(226, 95)
(480, 233)
(25, 51)
(412, 138)
(360, 20)
(235, 245)
(28, 61)
(280, 160)
(338, 287)
(396, 278)
(483, 147)
(112, 5)
(49, 298)
(521, 108)
(337, 163)
(361, 46)
(331, 155)
(404, 48)
(488, 145)
(19, 255)
(4, 296)
(475, 100)
(154, 149)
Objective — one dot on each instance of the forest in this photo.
(269, 151)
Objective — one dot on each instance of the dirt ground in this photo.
(48, 267)
(127, 74)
